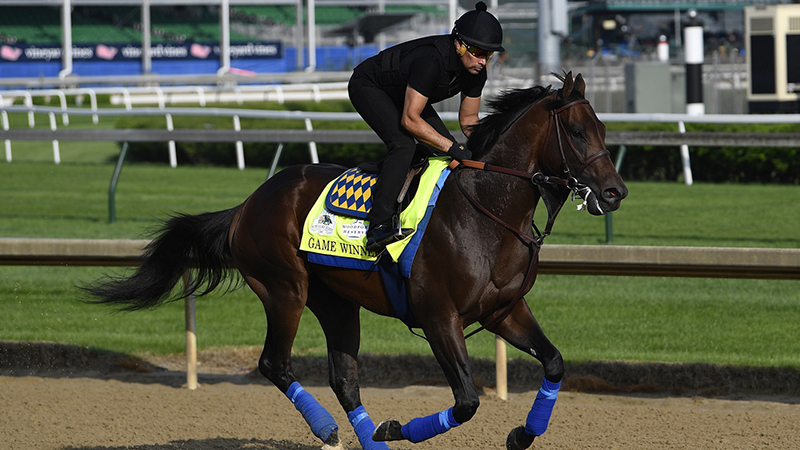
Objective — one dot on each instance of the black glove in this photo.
(459, 152)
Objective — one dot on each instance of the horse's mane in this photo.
(505, 109)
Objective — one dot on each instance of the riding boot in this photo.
(382, 234)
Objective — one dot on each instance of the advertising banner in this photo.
(128, 52)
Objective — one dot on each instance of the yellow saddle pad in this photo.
(327, 233)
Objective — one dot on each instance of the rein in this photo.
(538, 179)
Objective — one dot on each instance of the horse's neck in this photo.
(512, 198)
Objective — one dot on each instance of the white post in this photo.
(685, 162)
(312, 37)
(501, 367)
(29, 104)
(173, 154)
(225, 37)
(66, 38)
(8, 141)
(381, 36)
(662, 50)
(298, 34)
(56, 151)
(147, 58)
(191, 335)
(312, 146)
(237, 126)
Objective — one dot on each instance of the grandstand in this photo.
(31, 33)
(34, 26)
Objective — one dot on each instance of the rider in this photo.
(393, 92)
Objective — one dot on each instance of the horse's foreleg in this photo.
(284, 308)
(521, 330)
(448, 345)
(341, 324)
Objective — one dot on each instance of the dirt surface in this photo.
(55, 397)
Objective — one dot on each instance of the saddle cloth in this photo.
(334, 232)
(351, 193)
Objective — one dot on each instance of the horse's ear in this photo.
(568, 85)
(580, 85)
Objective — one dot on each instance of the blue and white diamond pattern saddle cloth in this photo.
(351, 193)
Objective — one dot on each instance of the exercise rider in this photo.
(394, 91)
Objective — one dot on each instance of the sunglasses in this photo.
(477, 52)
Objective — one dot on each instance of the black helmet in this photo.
(480, 28)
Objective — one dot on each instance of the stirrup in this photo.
(398, 234)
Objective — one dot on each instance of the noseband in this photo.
(538, 179)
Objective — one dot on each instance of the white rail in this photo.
(307, 116)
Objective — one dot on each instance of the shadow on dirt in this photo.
(709, 380)
(216, 443)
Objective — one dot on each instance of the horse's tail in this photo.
(183, 242)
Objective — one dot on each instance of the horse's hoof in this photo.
(388, 430)
(332, 442)
(518, 439)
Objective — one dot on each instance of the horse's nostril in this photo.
(613, 194)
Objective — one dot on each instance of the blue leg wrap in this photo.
(364, 428)
(542, 407)
(423, 428)
(318, 418)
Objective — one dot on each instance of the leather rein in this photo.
(537, 179)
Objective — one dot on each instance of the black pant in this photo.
(383, 115)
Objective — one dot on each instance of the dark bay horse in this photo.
(477, 259)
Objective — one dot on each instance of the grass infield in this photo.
(740, 322)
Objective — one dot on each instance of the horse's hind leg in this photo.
(522, 331)
(341, 324)
(283, 302)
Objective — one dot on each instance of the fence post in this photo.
(173, 154)
(685, 161)
(112, 188)
(191, 334)
(56, 150)
(275, 160)
(237, 126)
(312, 146)
(501, 367)
(8, 141)
(609, 220)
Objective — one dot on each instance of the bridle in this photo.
(539, 180)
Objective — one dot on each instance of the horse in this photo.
(476, 261)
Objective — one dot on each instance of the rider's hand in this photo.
(459, 152)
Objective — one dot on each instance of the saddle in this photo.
(351, 193)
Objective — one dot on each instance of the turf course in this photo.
(743, 322)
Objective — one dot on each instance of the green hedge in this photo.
(641, 163)
(713, 164)
(256, 154)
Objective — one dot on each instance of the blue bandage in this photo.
(542, 408)
(318, 418)
(423, 428)
(364, 428)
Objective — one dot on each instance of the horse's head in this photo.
(575, 149)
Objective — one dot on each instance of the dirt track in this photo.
(123, 403)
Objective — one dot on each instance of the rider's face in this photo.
(473, 59)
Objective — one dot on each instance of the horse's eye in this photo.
(575, 132)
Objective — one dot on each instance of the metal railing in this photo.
(677, 138)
